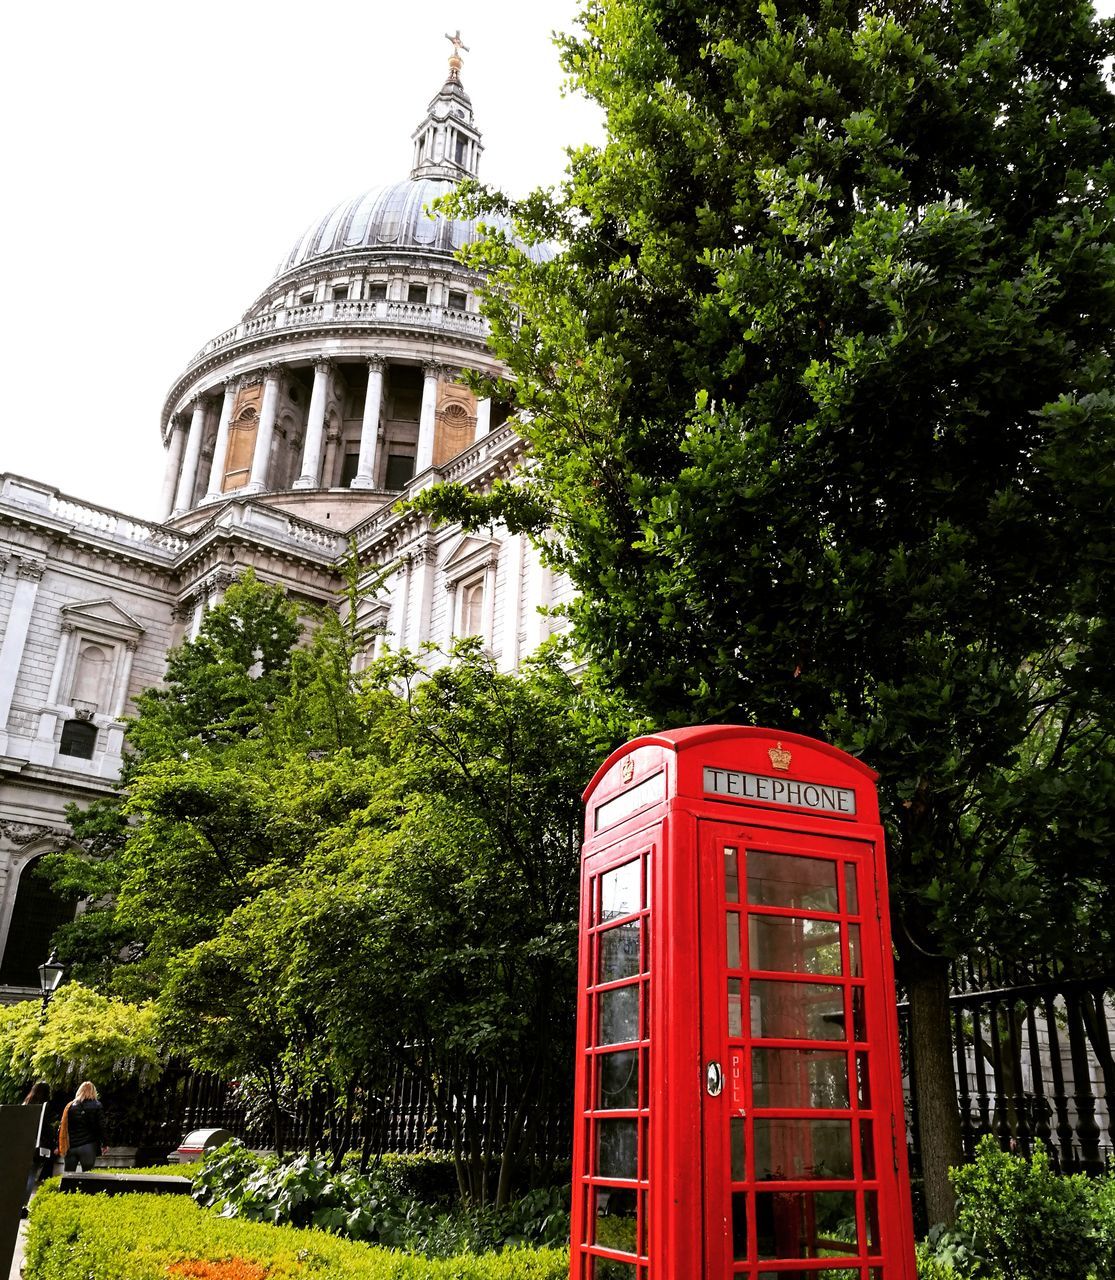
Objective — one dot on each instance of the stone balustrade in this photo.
(152, 538)
(373, 313)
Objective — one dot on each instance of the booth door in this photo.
(797, 1112)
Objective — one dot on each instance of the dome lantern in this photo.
(447, 143)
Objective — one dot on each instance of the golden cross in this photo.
(457, 43)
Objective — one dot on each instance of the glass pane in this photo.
(786, 880)
(619, 1015)
(867, 1147)
(621, 890)
(733, 939)
(806, 1224)
(617, 1149)
(863, 1080)
(855, 952)
(618, 1081)
(791, 1150)
(619, 952)
(616, 1220)
(792, 944)
(859, 1018)
(799, 1078)
(851, 892)
(871, 1213)
(610, 1269)
(738, 1145)
(796, 1010)
(739, 1225)
(731, 875)
(735, 1007)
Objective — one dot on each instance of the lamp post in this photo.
(50, 975)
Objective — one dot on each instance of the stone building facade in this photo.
(286, 436)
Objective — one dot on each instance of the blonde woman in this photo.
(81, 1135)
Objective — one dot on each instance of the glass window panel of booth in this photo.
(792, 1010)
(617, 1119)
(794, 944)
(807, 1224)
(799, 1079)
(792, 880)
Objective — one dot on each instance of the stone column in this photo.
(310, 477)
(483, 417)
(173, 463)
(130, 647)
(215, 487)
(265, 432)
(424, 561)
(28, 574)
(512, 594)
(538, 599)
(400, 601)
(184, 495)
(491, 568)
(365, 477)
(424, 458)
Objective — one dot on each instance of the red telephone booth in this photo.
(738, 1091)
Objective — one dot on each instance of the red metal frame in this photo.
(671, 1182)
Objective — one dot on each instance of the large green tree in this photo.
(819, 399)
(323, 877)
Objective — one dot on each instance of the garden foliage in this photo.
(324, 878)
(375, 1207)
(140, 1237)
(1018, 1219)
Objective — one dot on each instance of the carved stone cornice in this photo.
(433, 368)
(24, 833)
(376, 364)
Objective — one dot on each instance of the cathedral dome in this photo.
(396, 216)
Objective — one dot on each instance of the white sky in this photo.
(160, 160)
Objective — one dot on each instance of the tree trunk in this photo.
(934, 1084)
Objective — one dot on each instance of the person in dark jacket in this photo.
(44, 1159)
(81, 1135)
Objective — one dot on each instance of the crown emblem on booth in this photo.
(628, 770)
(779, 756)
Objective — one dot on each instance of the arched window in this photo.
(472, 608)
(78, 739)
(36, 915)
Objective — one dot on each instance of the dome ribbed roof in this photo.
(393, 217)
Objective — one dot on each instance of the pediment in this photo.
(103, 616)
(468, 551)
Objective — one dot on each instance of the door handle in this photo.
(714, 1079)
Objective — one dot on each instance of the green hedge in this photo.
(139, 1237)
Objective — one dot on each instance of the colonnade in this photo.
(184, 452)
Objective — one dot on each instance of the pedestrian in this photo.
(44, 1156)
(81, 1135)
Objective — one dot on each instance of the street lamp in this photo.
(50, 975)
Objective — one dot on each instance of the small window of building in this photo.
(377, 291)
(349, 468)
(418, 293)
(400, 471)
(305, 298)
(78, 739)
(462, 147)
(457, 300)
(340, 292)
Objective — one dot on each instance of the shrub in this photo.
(1024, 1221)
(376, 1207)
(136, 1237)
